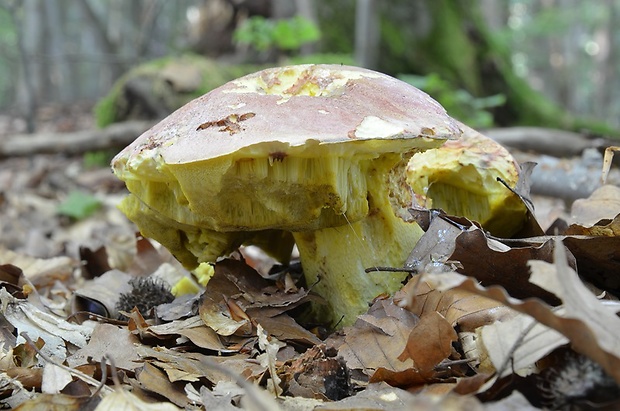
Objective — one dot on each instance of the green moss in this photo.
(157, 78)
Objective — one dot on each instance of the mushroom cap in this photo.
(273, 110)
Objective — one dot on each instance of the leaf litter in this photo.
(485, 323)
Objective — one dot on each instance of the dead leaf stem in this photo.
(87, 379)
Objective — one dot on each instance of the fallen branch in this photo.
(115, 135)
(558, 143)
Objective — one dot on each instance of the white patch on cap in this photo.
(236, 106)
(375, 127)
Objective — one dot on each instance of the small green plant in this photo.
(79, 205)
(459, 103)
(283, 34)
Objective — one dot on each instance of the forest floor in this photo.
(537, 335)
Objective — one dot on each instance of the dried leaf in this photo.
(40, 270)
(375, 337)
(121, 399)
(270, 346)
(284, 328)
(156, 381)
(466, 309)
(580, 304)
(430, 342)
(54, 379)
(194, 329)
(256, 291)
(597, 250)
(484, 259)
(222, 402)
(58, 402)
(456, 244)
(587, 333)
(213, 309)
(106, 340)
(26, 318)
(382, 397)
(517, 344)
(95, 262)
(189, 366)
(603, 203)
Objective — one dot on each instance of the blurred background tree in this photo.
(536, 62)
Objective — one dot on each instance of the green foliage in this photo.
(459, 103)
(283, 34)
(79, 205)
(256, 31)
(97, 159)
(291, 34)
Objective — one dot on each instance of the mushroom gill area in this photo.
(203, 210)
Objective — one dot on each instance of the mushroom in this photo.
(461, 178)
(310, 154)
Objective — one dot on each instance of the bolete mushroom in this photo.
(318, 152)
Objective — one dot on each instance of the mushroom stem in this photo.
(334, 259)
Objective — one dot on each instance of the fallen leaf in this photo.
(194, 329)
(591, 334)
(121, 399)
(284, 328)
(54, 378)
(429, 342)
(457, 244)
(267, 359)
(603, 203)
(493, 263)
(55, 331)
(597, 251)
(213, 309)
(189, 366)
(106, 340)
(382, 397)
(40, 270)
(372, 344)
(222, 401)
(156, 381)
(256, 291)
(58, 402)
(580, 304)
(517, 344)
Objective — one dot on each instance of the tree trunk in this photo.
(27, 39)
(366, 34)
